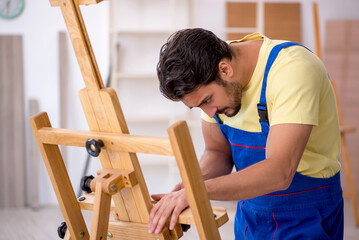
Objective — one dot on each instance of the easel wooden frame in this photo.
(131, 205)
(350, 192)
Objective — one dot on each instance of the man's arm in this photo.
(217, 157)
(284, 149)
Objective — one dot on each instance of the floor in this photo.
(41, 224)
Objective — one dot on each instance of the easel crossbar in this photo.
(112, 141)
(186, 217)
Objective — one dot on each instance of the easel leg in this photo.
(60, 181)
(101, 214)
(351, 192)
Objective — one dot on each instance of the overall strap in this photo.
(262, 105)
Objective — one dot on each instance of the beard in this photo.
(234, 92)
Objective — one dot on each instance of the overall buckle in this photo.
(263, 113)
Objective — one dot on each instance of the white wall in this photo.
(39, 24)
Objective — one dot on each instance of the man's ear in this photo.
(225, 70)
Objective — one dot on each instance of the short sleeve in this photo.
(295, 92)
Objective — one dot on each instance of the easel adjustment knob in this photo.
(185, 227)
(93, 147)
(61, 230)
(85, 183)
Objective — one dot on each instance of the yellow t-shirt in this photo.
(298, 91)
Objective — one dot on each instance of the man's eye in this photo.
(208, 100)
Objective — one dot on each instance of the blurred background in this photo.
(39, 72)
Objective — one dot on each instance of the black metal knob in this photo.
(85, 183)
(61, 230)
(185, 227)
(93, 147)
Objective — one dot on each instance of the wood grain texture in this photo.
(81, 44)
(60, 180)
(186, 217)
(220, 213)
(241, 14)
(192, 181)
(282, 21)
(101, 213)
(128, 230)
(113, 180)
(128, 160)
(318, 48)
(112, 141)
(135, 202)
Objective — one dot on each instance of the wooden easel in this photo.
(350, 192)
(119, 188)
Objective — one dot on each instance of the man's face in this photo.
(219, 97)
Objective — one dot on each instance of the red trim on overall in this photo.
(284, 194)
(245, 230)
(240, 207)
(239, 145)
(276, 228)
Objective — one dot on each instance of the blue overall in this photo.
(311, 208)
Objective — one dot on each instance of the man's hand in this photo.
(169, 205)
(178, 187)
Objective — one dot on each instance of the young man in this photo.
(268, 107)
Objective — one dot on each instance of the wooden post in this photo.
(317, 32)
(60, 181)
(101, 213)
(33, 161)
(12, 131)
(103, 113)
(193, 181)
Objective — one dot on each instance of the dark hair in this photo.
(189, 59)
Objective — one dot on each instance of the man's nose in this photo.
(210, 111)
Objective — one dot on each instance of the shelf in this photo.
(135, 76)
(142, 118)
(131, 119)
(159, 32)
(138, 29)
(241, 30)
(158, 118)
